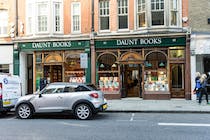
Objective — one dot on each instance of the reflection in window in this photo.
(174, 12)
(141, 11)
(123, 14)
(108, 79)
(4, 68)
(177, 54)
(157, 12)
(155, 76)
(104, 14)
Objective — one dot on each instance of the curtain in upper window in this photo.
(141, 13)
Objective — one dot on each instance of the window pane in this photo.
(104, 23)
(42, 17)
(142, 22)
(173, 18)
(104, 15)
(158, 18)
(177, 76)
(3, 21)
(76, 17)
(57, 17)
(123, 22)
(4, 68)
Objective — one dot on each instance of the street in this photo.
(108, 126)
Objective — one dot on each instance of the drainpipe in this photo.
(16, 16)
(92, 47)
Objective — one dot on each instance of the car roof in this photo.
(67, 83)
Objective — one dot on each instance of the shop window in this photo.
(155, 76)
(4, 68)
(177, 53)
(108, 79)
(73, 71)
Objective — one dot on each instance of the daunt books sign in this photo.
(141, 42)
(56, 45)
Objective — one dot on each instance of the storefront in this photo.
(151, 68)
(56, 61)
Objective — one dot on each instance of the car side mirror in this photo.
(40, 95)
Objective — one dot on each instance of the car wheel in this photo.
(83, 112)
(24, 111)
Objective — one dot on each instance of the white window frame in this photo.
(143, 9)
(4, 22)
(123, 14)
(105, 13)
(29, 17)
(44, 13)
(158, 10)
(59, 13)
(72, 17)
(177, 9)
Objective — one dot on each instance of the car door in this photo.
(50, 100)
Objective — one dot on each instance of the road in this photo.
(108, 126)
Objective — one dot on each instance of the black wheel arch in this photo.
(26, 102)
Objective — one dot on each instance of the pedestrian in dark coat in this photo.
(203, 90)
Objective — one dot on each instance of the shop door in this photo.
(177, 80)
(53, 73)
(132, 80)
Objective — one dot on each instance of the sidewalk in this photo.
(173, 105)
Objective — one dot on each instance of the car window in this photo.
(81, 88)
(59, 90)
(48, 90)
(69, 89)
(93, 87)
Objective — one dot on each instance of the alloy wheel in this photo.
(83, 112)
(24, 111)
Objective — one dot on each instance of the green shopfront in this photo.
(52, 61)
(147, 67)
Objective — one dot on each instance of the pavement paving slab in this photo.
(173, 105)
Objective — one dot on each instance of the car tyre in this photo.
(83, 112)
(24, 111)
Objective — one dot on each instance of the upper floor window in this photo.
(174, 12)
(104, 14)
(76, 15)
(57, 17)
(141, 13)
(42, 17)
(157, 12)
(29, 17)
(122, 14)
(3, 22)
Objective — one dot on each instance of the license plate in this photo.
(6, 102)
(105, 106)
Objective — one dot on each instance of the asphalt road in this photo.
(108, 126)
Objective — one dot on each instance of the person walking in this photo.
(203, 89)
(197, 85)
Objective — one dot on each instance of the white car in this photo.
(83, 100)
